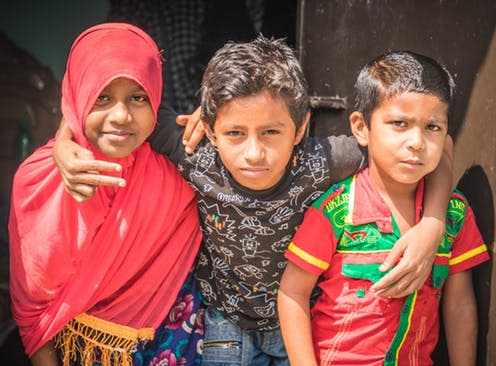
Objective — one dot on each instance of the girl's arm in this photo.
(294, 313)
(460, 319)
(416, 249)
(45, 356)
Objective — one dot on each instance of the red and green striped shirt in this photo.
(345, 236)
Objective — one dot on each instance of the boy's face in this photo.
(121, 119)
(405, 137)
(255, 136)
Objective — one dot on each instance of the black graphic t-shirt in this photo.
(246, 232)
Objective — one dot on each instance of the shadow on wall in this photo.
(475, 185)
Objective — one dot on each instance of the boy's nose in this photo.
(120, 113)
(416, 139)
(254, 150)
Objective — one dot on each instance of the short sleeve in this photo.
(345, 157)
(166, 138)
(468, 249)
(314, 243)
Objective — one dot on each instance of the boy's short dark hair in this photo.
(398, 72)
(244, 69)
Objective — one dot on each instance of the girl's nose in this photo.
(120, 113)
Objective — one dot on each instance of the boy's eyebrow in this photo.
(240, 125)
(409, 116)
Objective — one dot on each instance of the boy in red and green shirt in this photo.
(402, 119)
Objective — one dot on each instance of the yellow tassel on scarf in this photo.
(93, 338)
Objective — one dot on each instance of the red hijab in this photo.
(123, 255)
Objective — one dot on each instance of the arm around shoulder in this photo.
(345, 157)
(418, 247)
(167, 137)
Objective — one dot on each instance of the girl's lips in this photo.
(117, 135)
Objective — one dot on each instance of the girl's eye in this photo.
(140, 98)
(271, 132)
(102, 99)
(399, 123)
(234, 133)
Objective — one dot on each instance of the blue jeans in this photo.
(227, 344)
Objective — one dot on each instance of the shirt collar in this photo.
(367, 205)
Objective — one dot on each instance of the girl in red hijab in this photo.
(95, 279)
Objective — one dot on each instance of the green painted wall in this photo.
(47, 28)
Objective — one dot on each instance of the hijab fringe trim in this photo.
(92, 338)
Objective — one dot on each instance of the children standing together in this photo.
(254, 177)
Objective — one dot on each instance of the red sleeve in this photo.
(468, 249)
(314, 243)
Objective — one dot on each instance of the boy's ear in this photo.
(303, 128)
(359, 128)
(210, 134)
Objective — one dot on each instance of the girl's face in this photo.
(121, 118)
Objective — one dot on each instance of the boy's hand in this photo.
(193, 131)
(417, 249)
(79, 171)
(418, 246)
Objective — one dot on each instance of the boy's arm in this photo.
(419, 245)
(167, 137)
(45, 356)
(81, 173)
(194, 131)
(293, 302)
(460, 319)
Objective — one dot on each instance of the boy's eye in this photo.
(399, 123)
(234, 133)
(433, 127)
(271, 132)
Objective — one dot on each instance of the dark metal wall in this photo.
(335, 38)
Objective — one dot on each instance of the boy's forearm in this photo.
(461, 337)
(460, 321)
(438, 186)
(293, 302)
(294, 315)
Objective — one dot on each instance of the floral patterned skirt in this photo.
(179, 338)
(177, 341)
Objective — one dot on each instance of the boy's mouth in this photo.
(412, 162)
(254, 170)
